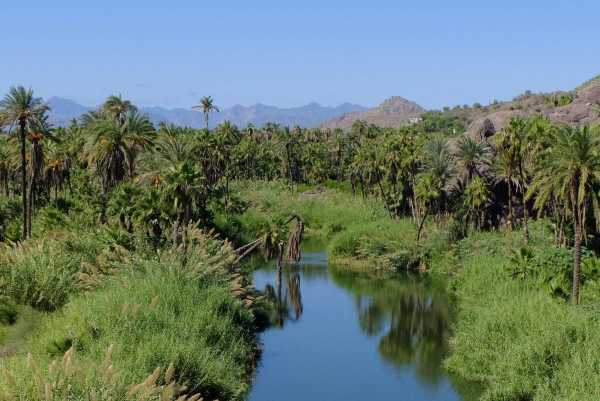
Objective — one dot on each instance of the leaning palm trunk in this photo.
(385, 198)
(421, 224)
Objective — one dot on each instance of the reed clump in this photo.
(68, 378)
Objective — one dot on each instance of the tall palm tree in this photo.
(5, 164)
(118, 108)
(570, 169)
(438, 159)
(139, 136)
(184, 190)
(503, 170)
(512, 148)
(476, 197)
(39, 131)
(427, 190)
(113, 148)
(20, 107)
(206, 106)
(472, 155)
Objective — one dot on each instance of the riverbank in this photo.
(516, 333)
(358, 232)
(101, 315)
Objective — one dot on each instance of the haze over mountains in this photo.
(310, 115)
(579, 106)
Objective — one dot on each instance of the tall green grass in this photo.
(83, 290)
(513, 334)
(152, 315)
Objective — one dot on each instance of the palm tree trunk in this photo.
(421, 224)
(23, 177)
(524, 204)
(30, 204)
(576, 263)
(385, 198)
(103, 202)
(510, 207)
(525, 219)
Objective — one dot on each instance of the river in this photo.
(344, 336)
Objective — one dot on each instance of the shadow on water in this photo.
(355, 321)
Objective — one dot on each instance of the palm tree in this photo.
(570, 170)
(172, 146)
(472, 155)
(438, 159)
(503, 170)
(139, 135)
(38, 131)
(151, 213)
(20, 107)
(5, 164)
(512, 148)
(124, 202)
(117, 108)
(184, 191)
(113, 148)
(206, 106)
(476, 198)
(427, 190)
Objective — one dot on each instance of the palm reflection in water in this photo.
(285, 297)
(410, 315)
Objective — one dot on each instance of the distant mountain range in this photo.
(311, 115)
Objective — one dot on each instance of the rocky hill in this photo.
(576, 107)
(393, 112)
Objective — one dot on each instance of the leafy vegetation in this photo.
(515, 331)
(118, 232)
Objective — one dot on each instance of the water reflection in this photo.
(409, 314)
(354, 336)
(285, 298)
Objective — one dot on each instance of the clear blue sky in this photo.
(287, 53)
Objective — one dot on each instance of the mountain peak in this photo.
(398, 104)
(392, 112)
